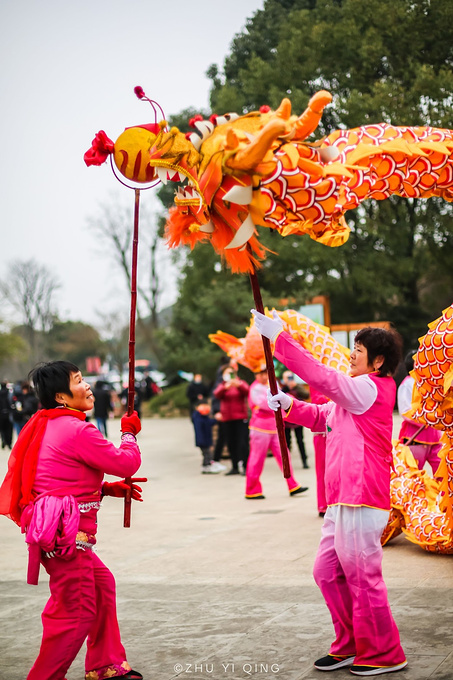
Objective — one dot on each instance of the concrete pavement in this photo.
(211, 585)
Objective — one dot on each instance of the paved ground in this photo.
(211, 585)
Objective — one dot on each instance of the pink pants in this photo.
(260, 444)
(82, 604)
(319, 445)
(348, 570)
(426, 453)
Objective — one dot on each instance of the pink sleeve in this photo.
(313, 416)
(97, 452)
(258, 398)
(355, 395)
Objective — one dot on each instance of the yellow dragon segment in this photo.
(258, 169)
(424, 507)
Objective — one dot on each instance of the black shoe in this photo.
(377, 670)
(132, 675)
(321, 514)
(252, 498)
(298, 489)
(306, 466)
(332, 662)
(232, 472)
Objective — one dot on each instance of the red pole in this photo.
(131, 389)
(271, 375)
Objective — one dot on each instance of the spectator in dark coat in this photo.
(148, 387)
(24, 405)
(196, 391)
(102, 405)
(202, 425)
(6, 425)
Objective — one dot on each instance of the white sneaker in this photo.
(217, 467)
(209, 470)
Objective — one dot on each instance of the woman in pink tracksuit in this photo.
(263, 437)
(358, 425)
(61, 459)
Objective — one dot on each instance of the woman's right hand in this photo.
(131, 423)
(275, 401)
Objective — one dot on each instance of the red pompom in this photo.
(213, 119)
(139, 92)
(195, 119)
(265, 108)
(101, 147)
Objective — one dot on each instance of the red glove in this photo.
(131, 423)
(118, 489)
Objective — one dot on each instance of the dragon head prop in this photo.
(237, 172)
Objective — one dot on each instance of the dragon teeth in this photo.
(162, 174)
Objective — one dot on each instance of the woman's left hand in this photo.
(119, 489)
(267, 326)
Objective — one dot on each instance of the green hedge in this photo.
(170, 403)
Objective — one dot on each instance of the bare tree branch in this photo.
(114, 226)
(30, 289)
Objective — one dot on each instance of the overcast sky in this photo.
(68, 70)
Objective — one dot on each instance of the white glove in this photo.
(268, 327)
(274, 401)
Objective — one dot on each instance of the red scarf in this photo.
(16, 490)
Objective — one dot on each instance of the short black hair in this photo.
(52, 377)
(381, 342)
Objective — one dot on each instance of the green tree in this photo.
(74, 341)
(12, 346)
(386, 60)
(211, 299)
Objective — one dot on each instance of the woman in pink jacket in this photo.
(53, 488)
(358, 424)
(263, 438)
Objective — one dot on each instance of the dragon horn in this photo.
(284, 110)
(309, 120)
(247, 159)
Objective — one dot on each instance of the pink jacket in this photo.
(74, 455)
(358, 425)
(263, 418)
